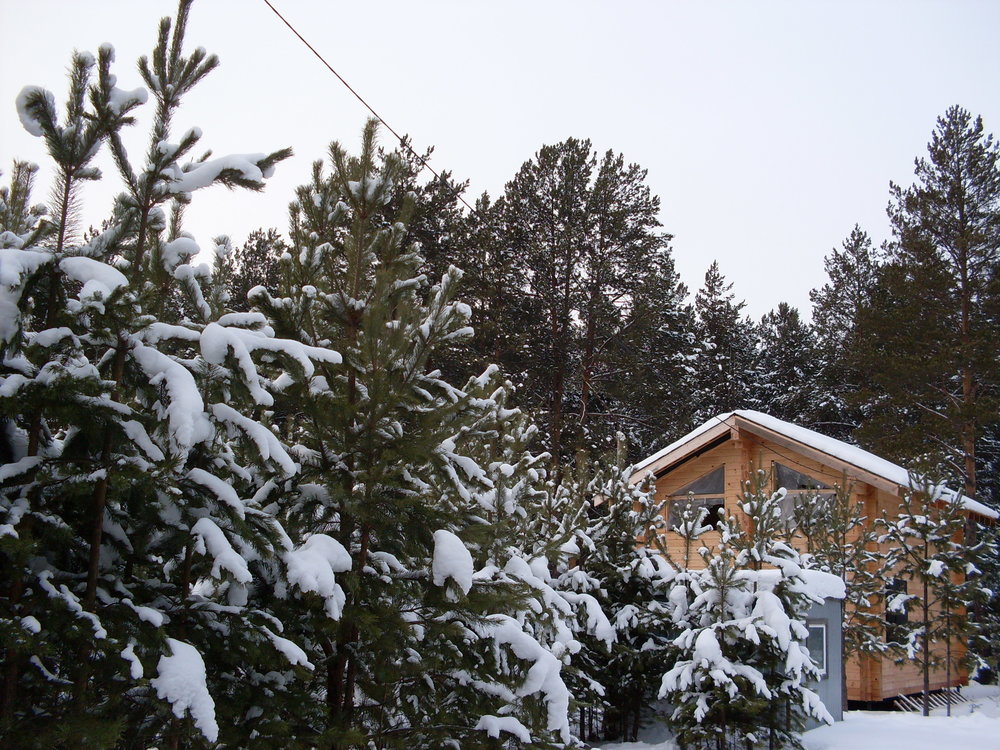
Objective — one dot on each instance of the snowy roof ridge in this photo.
(838, 449)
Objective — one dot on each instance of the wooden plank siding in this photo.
(869, 679)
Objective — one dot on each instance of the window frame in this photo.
(712, 500)
(894, 620)
(792, 494)
(822, 626)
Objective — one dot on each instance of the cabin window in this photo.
(816, 645)
(712, 506)
(793, 480)
(707, 491)
(712, 483)
(895, 611)
(797, 486)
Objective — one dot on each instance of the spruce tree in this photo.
(837, 308)
(726, 343)
(787, 367)
(647, 372)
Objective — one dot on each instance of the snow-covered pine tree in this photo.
(716, 697)
(440, 632)
(852, 271)
(620, 564)
(935, 571)
(787, 367)
(725, 346)
(52, 393)
(254, 263)
(741, 670)
(839, 539)
(552, 537)
(17, 215)
(984, 609)
(133, 448)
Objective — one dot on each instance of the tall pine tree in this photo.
(933, 324)
(422, 487)
(578, 283)
(787, 367)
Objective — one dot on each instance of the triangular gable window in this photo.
(708, 491)
(713, 483)
(793, 480)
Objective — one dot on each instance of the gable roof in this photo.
(855, 461)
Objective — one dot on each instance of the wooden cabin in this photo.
(709, 465)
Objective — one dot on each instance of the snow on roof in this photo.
(816, 582)
(698, 431)
(850, 454)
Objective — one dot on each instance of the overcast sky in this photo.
(768, 129)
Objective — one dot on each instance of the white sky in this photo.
(768, 128)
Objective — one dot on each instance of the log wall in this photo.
(868, 679)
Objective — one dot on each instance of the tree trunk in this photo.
(352, 665)
(925, 643)
(947, 656)
(969, 433)
(843, 666)
(587, 363)
(969, 395)
(100, 496)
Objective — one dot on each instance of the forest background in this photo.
(793, 118)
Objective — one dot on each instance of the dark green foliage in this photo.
(930, 326)
(787, 367)
(576, 295)
(722, 369)
(254, 263)
(837, 310)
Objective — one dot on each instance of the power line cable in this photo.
(376, 115)
(423, 161)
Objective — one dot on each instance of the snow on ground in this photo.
(974, 725)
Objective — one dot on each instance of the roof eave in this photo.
(659, 462)
(852, 470)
